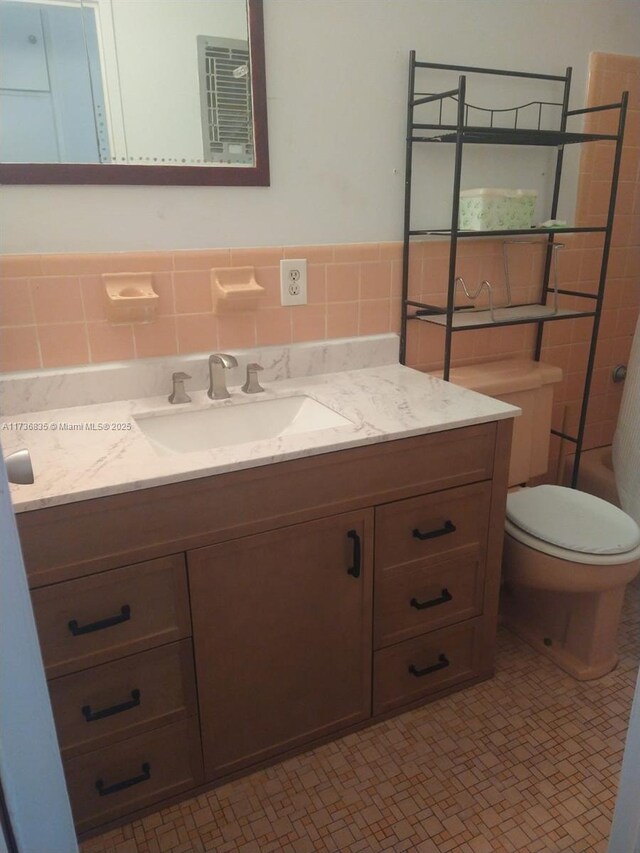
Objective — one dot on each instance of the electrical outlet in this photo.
(293, 281)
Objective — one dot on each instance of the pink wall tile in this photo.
(313, 254)
(201, 260)
(395, 308)
(343, 282)
(269, 279)
(157, 338)
(110, 343)
(356, 252)
(308, 323)
(57, 300)
(390, 251)
(396, 278)
(93, 298)
(342, 320)
(632, 264)
(236, 331)
(75, 264)
(316, 284)
(20, 265)
(192, 292)
(15, 303)
(256, 257)
(197, 333)
(63, 344)
(163, 286)
(373, 317)
(19, 348)
(375, 279)
(140, 262)
(622, 231)
(273, 326)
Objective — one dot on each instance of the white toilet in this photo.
(568, 555)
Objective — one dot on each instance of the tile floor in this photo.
(526, 762)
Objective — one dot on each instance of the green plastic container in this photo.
(487, 209)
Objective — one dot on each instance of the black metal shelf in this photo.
(528, 232)
(507, 136)
(465, 319)
(466, 130)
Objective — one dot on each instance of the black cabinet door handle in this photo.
(433, 602)
(449, 527)
(443, 662)
(123, 616)
(105, 790)
(354, 570)
(91, 716)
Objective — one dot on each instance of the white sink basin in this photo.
(221, 426)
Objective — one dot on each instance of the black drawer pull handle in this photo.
(124, 616)
(422, 605)
(91, 716)
(354, 570)
(443, 662)
(449, 527)
(105, 790)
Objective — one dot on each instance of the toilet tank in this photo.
(527, 384)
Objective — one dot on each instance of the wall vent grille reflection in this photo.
(225, 94)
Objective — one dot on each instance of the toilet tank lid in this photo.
(573, 520)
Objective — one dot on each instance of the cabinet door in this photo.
(282, 634)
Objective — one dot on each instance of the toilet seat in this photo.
(572, 525)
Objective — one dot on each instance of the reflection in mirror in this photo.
(137, 82)
(133, 92)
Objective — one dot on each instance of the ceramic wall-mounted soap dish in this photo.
(130, 297)
(235, 289)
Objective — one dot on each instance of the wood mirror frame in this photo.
(224, 176)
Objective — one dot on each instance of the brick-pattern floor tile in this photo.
(528, 761)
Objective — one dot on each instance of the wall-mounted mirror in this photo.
(133, 92)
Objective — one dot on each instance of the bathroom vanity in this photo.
(195, 629)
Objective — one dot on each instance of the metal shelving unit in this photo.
(467, 130)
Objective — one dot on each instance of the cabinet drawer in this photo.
(420, 597)
(413, 669)
(432, 525)
(114, 701)
(92, 620)
(112, 781)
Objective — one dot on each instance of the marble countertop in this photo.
(95, 450)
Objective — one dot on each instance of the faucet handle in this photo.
(252, 386)
(179, 395)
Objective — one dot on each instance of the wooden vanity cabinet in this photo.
(244, 616)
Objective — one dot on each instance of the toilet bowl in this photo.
(568, 556)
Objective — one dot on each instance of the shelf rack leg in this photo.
(601, 288)
(554, 208)
(407, 207)
(453, 248)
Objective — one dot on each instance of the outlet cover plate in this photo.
(293, 281)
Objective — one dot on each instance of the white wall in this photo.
(336, 81)
(152, 78)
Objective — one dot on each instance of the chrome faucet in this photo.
(179, 395)
(217, 384)
(252, 386)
